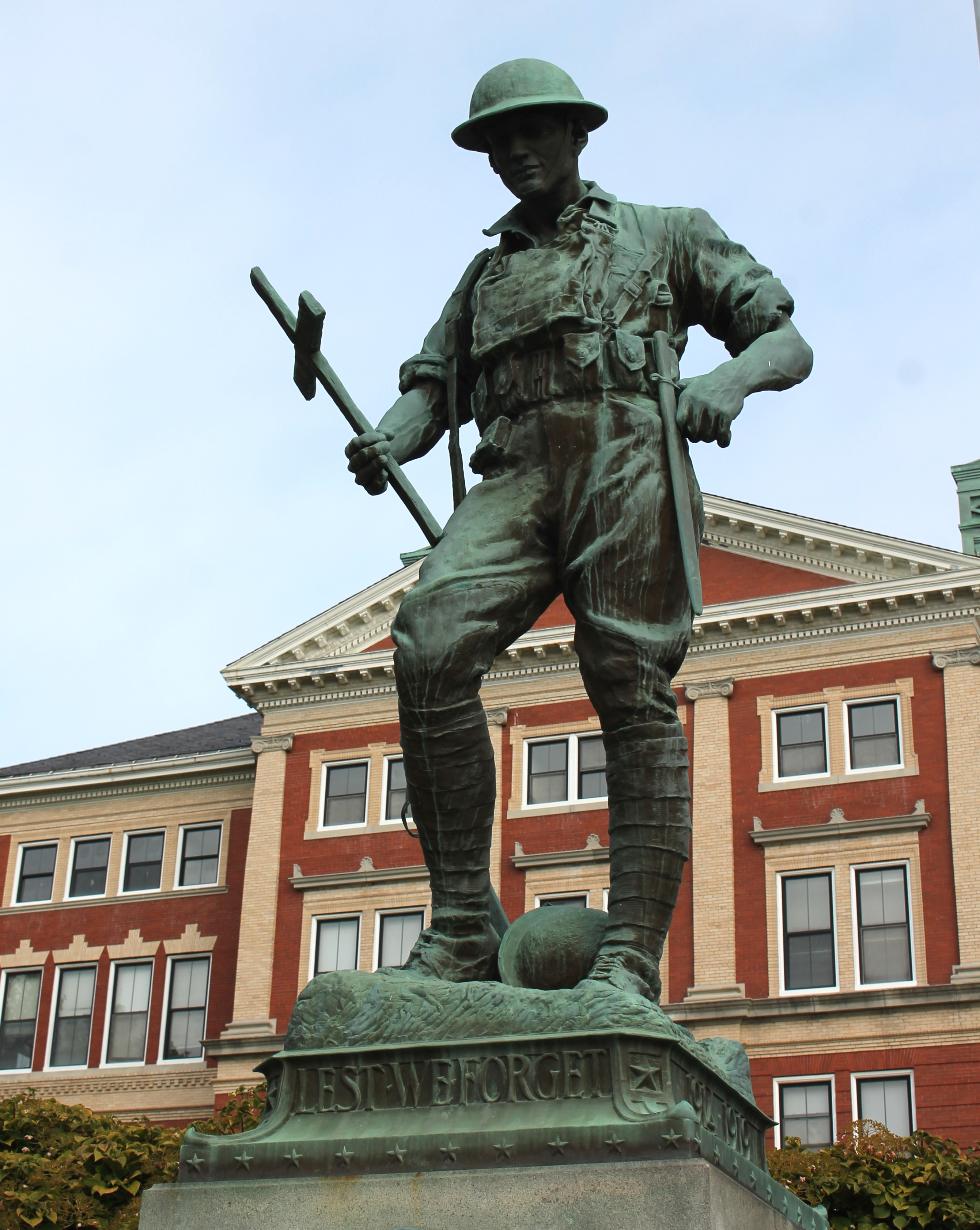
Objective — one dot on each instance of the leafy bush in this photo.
(871, 1179)
(67, 1168)
(242, 1111)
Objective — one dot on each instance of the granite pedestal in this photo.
(688, 1194)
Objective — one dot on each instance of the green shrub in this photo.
(65, 1167)
(242, 1111)
(871, 1179)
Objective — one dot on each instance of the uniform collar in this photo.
(513, 221)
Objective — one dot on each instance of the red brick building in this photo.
(164, 901)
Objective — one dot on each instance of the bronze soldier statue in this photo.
(547, 344)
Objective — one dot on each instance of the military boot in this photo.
(451, 783)
(649, 843)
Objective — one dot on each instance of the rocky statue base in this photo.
(403, 1102)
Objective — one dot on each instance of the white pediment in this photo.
(860, 567)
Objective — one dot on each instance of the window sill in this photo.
(98, 902)
(557, 809)
(838, 779)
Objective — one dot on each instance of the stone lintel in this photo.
(372, 875)
(833, 830)
(966, 973)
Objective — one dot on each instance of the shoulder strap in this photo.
(633, 286)
(467, 283)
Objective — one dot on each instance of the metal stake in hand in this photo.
(310, 368)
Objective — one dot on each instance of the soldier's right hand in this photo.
(366, 458)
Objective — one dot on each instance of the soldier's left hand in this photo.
(707, 407)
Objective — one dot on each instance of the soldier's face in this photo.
(534, 151)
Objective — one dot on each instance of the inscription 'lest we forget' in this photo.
(461, 1081)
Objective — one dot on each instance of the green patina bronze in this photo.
(563, 344)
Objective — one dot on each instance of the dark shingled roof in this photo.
(221, 736)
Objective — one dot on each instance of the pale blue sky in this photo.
(169, 501)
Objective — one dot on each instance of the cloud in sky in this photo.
(169, 501)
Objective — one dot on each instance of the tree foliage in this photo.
(871, 1179)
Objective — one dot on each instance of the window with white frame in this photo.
(801, 742)
(129, 1007)
(805, 1110)
(35, 877)
(200, 846)
(569, 769)
(578, 899)
(18, 1018)
(336, 943)
(72, 1027)
(808, 948)
(396, 789)
(887, 1098)
(89, 866)
(884, 936)
(873, 737)
(187, 1002)
(142, 862)
(397, 933)
(344, 794)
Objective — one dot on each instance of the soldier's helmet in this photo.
(516, 85)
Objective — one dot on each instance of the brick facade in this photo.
(801, 617)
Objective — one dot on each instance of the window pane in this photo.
(397, 790)
(346, 787)
(592, 768)
(144, 860)
(73, 1018)
(199, 855)
(336, 944)
(800, 742)
(805, 1112)
(88, 872)
(874, 734)
(808, 936)
(398, 933)
(887, 1101)
(807, 903)
(185, 1010)
(547, 775)
(127, 1023)
(884, 935)
(36, 873)
(18, 1018)
(582, 901)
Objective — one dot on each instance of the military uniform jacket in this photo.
(530, 323)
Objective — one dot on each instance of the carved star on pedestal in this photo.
(557, 1145)
(737, 1168)
(716, 1155)
(344, 1156)
(752, 1179)
(614, 1143)
(448, 1151)
(671, 1138)
(397, 1154)
(292, 1157)
(245, 1159)
(644, 1075)
(194, 1163)
(503, 1151)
